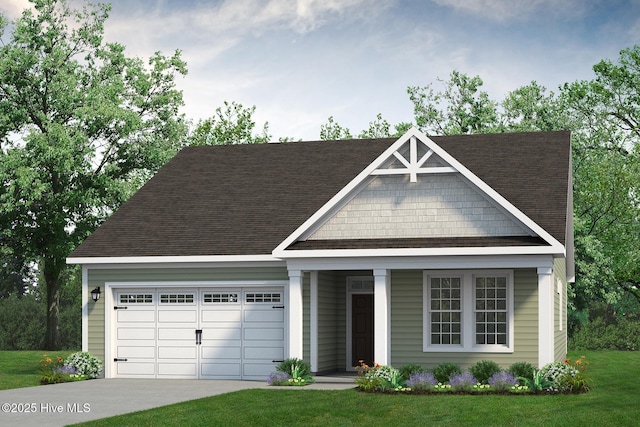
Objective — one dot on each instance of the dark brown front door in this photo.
(362, 328)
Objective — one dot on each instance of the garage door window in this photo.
(263, 297)
(220, 298)
(136, 298)
(177, 298)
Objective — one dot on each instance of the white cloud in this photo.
(506, 10)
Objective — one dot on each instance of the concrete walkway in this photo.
(69, 403)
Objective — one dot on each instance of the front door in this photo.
(362, 329)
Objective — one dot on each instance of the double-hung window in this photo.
(468, 311)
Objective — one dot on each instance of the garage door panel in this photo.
(135, 316)
(177, 316)
(264, 333)
(136, 352)
(222, 352)
(171, 352)
(177, 369)
(217, 316)
(134, 368)
(178, 334)
(222, 334)
(261, 316)
(257, 371)
(221, 370)
(136, 333)
(272, 353)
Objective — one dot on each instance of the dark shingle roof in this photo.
(246, 199)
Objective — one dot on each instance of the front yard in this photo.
(612, 401)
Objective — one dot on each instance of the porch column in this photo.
(546, 339)
(313, 317)
(382, 317)
(294, 319)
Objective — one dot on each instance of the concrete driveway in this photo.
(68, 403)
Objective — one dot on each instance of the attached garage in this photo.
(197, 333)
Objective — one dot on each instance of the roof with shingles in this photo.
(246, 199)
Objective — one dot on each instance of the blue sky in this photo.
(300, 61)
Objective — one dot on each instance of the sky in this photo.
(300, 61)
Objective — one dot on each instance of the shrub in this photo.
(463, 381)
(553, 372)
(421, 381)
(296, 368)
(410, 369)
(278, 378)
(484, 369)
(598, 335)
(502, 381)
(522, 370)
(366, 383)
(51, 370)
(443, 371)
(85, 363)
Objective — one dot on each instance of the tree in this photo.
(607, 174)
(232, 124)
(380, 128)
(331, 131)
(81, 127)
(460, 109)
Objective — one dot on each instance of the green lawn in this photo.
(612, 401)
(22, 368)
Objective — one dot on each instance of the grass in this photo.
(22, 368)
(612, 401)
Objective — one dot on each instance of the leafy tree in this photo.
(460, 109)
(607, 174)
(333, 131)
(232, 124)
(81, 126)
(380, 128)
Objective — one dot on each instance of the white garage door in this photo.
(198, 333)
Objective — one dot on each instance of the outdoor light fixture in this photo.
(95, 294)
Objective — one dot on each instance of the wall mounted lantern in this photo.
(95, 294)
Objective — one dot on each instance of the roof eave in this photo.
(173, 259)
(554, 250)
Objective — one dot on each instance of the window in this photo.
(220, 297)
(263, 297)
(176, 298)
(135, 298)
(468, 311)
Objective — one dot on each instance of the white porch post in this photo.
(85, 308)
(382, 317)
(295, 313)
(313, 323)
(546, 339)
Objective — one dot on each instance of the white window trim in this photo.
(467, 313)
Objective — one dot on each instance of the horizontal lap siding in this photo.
(407, 315)
(99, 277)
(328, 322)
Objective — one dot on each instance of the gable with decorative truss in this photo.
(415, 189)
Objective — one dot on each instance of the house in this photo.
(411, 250)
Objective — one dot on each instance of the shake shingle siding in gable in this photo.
(246, 199)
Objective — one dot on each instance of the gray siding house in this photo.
(411, 250)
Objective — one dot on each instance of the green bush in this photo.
(443, 371)
(296, 368)
(409, 369)
(624, 334)
(484, 369)
(522, 370)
